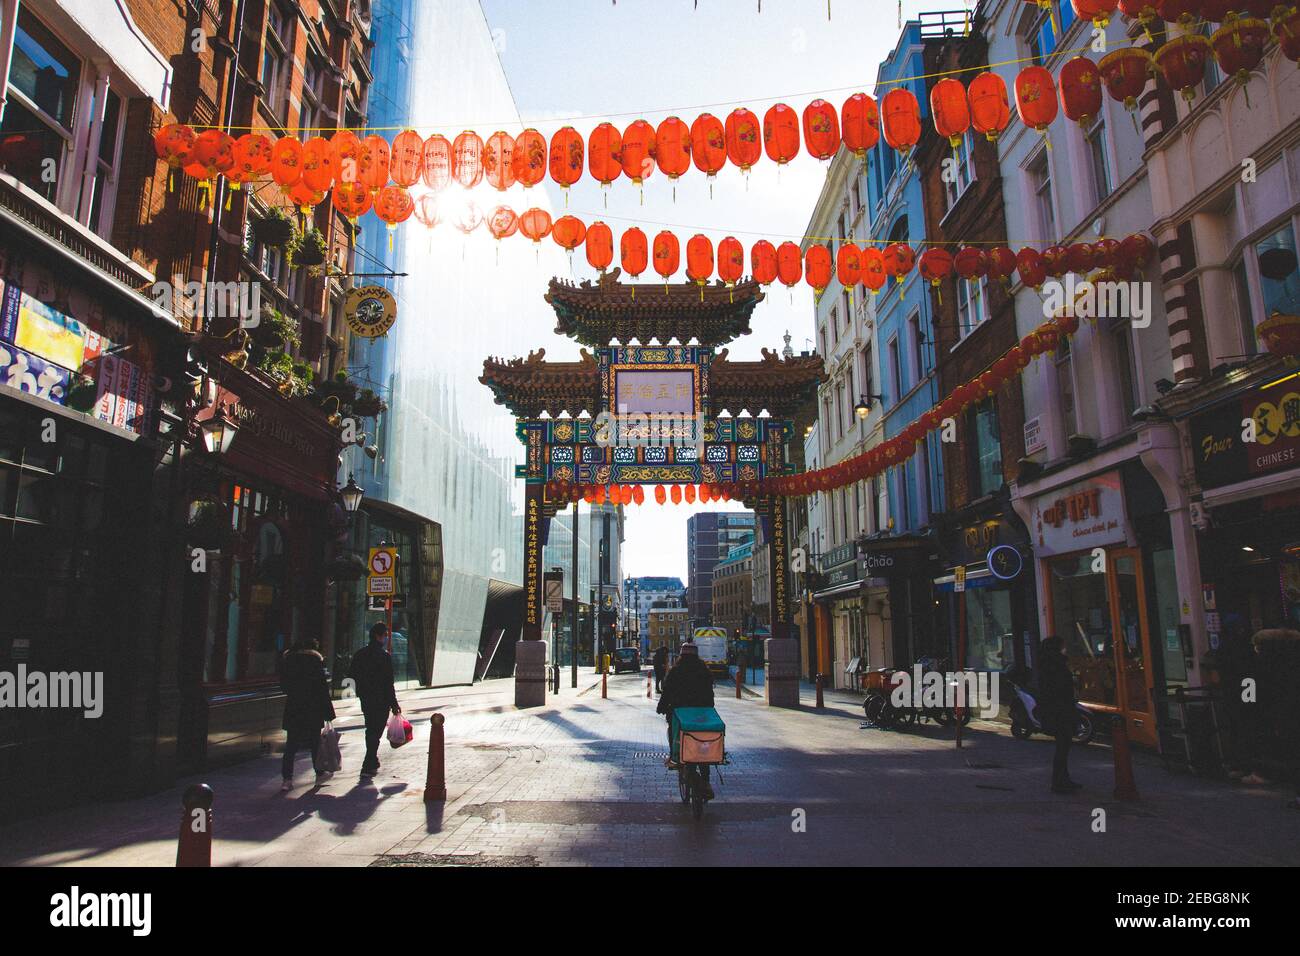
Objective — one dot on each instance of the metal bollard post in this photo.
(740, 680)
(1125, 785)
(555, 676)
(194, 846)
(649, 682)
(604, 685)
(435, 780)
(821, 681)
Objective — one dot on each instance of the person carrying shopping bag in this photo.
(372, 673)
(307, 707)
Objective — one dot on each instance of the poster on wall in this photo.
(29, 373)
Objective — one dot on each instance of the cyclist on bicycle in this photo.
(687, 684)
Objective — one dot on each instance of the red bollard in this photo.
(1125, 785)
(435, 781)
(194, 846)
(821, 680)
(740, 680)
(604, 685)
(648, 685)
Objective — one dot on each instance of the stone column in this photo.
(781, 651)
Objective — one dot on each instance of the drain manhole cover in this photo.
(450, 859)
(649, 754)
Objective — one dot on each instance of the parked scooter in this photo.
(1025, 721)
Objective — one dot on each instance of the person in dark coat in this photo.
(372, 676)
(1278, 649)
(688, 684)
(307, 705)
(1057, 708)
(660, 661)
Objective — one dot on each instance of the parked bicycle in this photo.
(881, 711)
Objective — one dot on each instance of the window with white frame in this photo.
(1040, 180)
(852, 397)
(918, 347)
(277, 60)
(972, 304)
(40, 115)
(1094, 138)
(313, 95)
(1245, 310)
(1065, 388)
(963, 170)
(895, 369)
(99, 216)
(1121, 335)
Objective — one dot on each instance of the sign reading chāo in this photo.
(370, 311)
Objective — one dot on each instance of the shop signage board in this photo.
(879, 562)
(382, 579)
(553, 584)
(1005, 562)
(1221, 455)
(370, 311)
(1087, 514)
(959, 578)
(1035, 440)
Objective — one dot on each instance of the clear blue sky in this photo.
(583, 61)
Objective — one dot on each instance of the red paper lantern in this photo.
(347, 156)
(372, 170)
(821, 129)
(600, 246)
(1239, 47)
(1080, 90)
(789, 264)
(286, 161)
(731, 260)
(860, 122)
(990, 107)
(1098, 11)
(351, 199)
(1001, 263)
(744, 146)
(781, 134)
(566, 156)
(899, 260)
(689, 493)
(936, 265)
(817, 267)
(1178, 11)
(1219, 11)
(252, 159)
(1080, 257)
(848, 265)
(605, 153)
(174, 143)
(673, 147)
(502, 222)
(661, 494)
(435, 162)
(1033, 272)
(405, 157)
(666, 254)
(699, 259)
(535, 223)
(468, 217)
(1182, 62)
(675, 493)
(1105, 253)
(1136, 252)
(633, 251)
(762, 262)
(1125, 73)
(638, 494)
(318, 170)
(708, 144)
(498, 160)
(393, 204)
(950, 109)
(1287, 29)
(304, 197)
(212, 155)
(970, 263)
(569, 231)
(467, 159)
(528, 158)
(1056, 261)
(1036, 98)
(873, 269)
(900, 119)
(638, 156)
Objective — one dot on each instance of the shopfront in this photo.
(264, 515)
(1250, 491)
(1107, 597)
(843, 649)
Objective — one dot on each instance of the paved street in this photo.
(582, 782)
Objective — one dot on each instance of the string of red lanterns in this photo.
(308, 170)
(894, 451)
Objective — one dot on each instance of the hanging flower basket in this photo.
(369, 405)
(208, 525)
(273, 229)
(1280, 334)
(308, 249)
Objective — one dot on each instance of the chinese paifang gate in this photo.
(582, 424)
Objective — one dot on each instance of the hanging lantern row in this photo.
(1045, 339)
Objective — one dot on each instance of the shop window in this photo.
(38, 118)
(1279, 277)
(986, 449)
(1081, 618)
(990, 636)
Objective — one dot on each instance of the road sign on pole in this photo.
(382, 576)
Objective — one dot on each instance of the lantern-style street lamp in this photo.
(218, 432)
(352, 493)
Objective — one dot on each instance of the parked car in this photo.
(627, 659)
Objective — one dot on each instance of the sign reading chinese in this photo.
(1221, 453)
(370, 311)
(1078, 517)
(654, 391)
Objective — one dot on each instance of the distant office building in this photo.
(667, 627)
(733, 590)
(710, 536)
(646, 592)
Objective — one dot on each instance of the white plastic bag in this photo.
(399, 731)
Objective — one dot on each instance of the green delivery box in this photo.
(698, 735)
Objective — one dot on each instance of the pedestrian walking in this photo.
(1057, 708)
(372, 675)
(660, 662)
(307, 706)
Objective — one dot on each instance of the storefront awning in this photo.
(843, 590)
